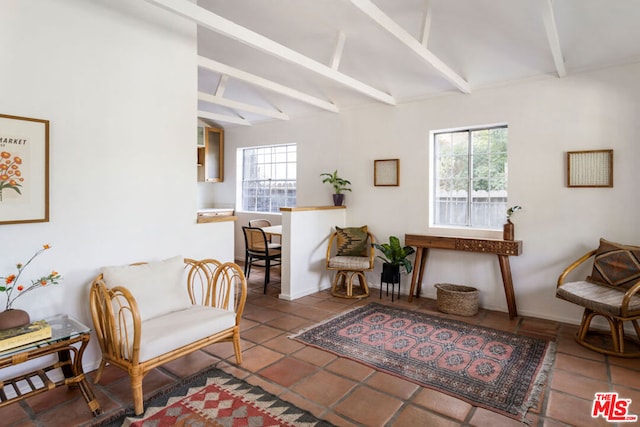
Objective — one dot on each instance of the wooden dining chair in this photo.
(260, 252)
(260, 223)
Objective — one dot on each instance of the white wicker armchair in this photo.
(143, 318)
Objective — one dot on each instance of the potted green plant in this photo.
(394, 256)
(339, 185)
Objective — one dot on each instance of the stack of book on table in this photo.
(23, 335)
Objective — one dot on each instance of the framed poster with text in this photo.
(24, 170)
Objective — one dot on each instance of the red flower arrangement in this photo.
(10, 283)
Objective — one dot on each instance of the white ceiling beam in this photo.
(426, 24)
(373, 12)
(223, 26)
(236, 105)
(272, 86)
(550, 27)
(222, 85)
(223, 118)
(337, 52)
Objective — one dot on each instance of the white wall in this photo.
(305, 236)
(546, 118)
(118, 81)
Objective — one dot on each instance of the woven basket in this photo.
(457, 299)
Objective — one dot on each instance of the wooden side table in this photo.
(502, 248)
(65, 332)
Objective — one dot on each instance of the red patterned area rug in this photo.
(216, 399)
(496, 370)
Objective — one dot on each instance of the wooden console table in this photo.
(502, 248)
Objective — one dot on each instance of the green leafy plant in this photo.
(339, 184)
(395, 254)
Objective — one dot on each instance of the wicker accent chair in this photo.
(148, 314)
(348, 263)
(611, 291)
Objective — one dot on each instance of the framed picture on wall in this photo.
(24, 170)
(590, 168)
(386, 173)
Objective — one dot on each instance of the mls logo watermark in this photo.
(612, 408)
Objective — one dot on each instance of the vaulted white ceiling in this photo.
(278, 59)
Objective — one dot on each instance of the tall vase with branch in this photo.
(509, 227)
(13, 289)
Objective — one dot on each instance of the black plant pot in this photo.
(338, 199)
(390, 273)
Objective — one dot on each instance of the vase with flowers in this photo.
(509, 228)
(13, 288)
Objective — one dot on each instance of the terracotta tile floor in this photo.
(347, 393)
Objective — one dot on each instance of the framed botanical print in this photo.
(24, 170)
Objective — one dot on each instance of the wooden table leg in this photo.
(418, 272)
(423, 264)
(505, 269)
(64, 357)
(73, 372)
(414, 276)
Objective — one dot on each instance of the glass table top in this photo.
(63, 327)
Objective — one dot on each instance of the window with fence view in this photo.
(470, 177)
(268, 178)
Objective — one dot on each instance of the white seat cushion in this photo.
(600, 298)
(163, 334)
(349, 262)
(158, 287)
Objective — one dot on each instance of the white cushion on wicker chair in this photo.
(161, 335)
(349, 262)
(597, 297)
(158, 287)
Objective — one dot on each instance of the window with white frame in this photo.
(268, 178)
(470, 177)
